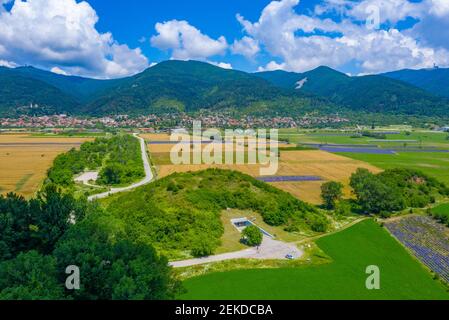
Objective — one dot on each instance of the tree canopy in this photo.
(252, 236)
(395, 190)
(331, 193)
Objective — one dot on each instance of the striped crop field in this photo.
(426, 239)
(24, 160)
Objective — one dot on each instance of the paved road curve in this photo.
(269, 250)
(148, 175)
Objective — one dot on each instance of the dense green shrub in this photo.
(118, 158)
(252, 236)
(182, 212)
(36, 224)
(113, 268)
(30, 276)
(374, 135)
(441, 213)
(395, 190)
(331, 193)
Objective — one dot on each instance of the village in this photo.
(158, 122)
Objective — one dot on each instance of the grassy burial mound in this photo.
(352, 251)
(180, 214)
(118, 160)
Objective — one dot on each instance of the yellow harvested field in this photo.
(156, 136)
(309, 191)
(24, 160)
(294, 163)
(326, 165)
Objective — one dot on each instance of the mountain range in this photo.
(372, 93)
(174, 86)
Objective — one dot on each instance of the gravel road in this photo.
(148, 175)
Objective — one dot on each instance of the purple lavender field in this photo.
(289, 178)
(427, 239)
(358, 150)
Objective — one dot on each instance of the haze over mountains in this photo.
(173, 86)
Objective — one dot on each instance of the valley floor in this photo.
(352, 251)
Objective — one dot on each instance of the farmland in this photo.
(24, 160)
(317, 163)
(420, 150)
(431, 163)
(428, 240)
(393, 137)
(352, 250)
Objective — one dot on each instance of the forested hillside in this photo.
(434, 80)
(23, 95)
(189, 86)
(375, 94)
(82, 89)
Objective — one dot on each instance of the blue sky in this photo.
(110, 39)
(130, 21)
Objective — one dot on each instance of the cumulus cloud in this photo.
(187, 42)
(247, 47)
(8, 64)
(58, 70)
(62, 34)
(272, 66)
(335, 35)
(223, 65)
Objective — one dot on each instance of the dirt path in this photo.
(349, 225)
(148, 175)
(270, 249)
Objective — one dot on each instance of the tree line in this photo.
(391, 191)
(41, 237)
(117, 158)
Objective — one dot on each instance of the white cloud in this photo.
(272, 66)
(187, 42)
(303, 42)
(62, 33)
(247, 47)
(58, 70)
(8, 64)
(223, 65)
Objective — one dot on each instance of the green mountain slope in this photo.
(367, 93)
(187, 86)
(82, 89)
(174, 86)
(18, 93)
(435, 80)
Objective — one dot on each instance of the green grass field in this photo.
(441, 212)
(402, 277)
(442, 209)
(419, 138)
(431, 163)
